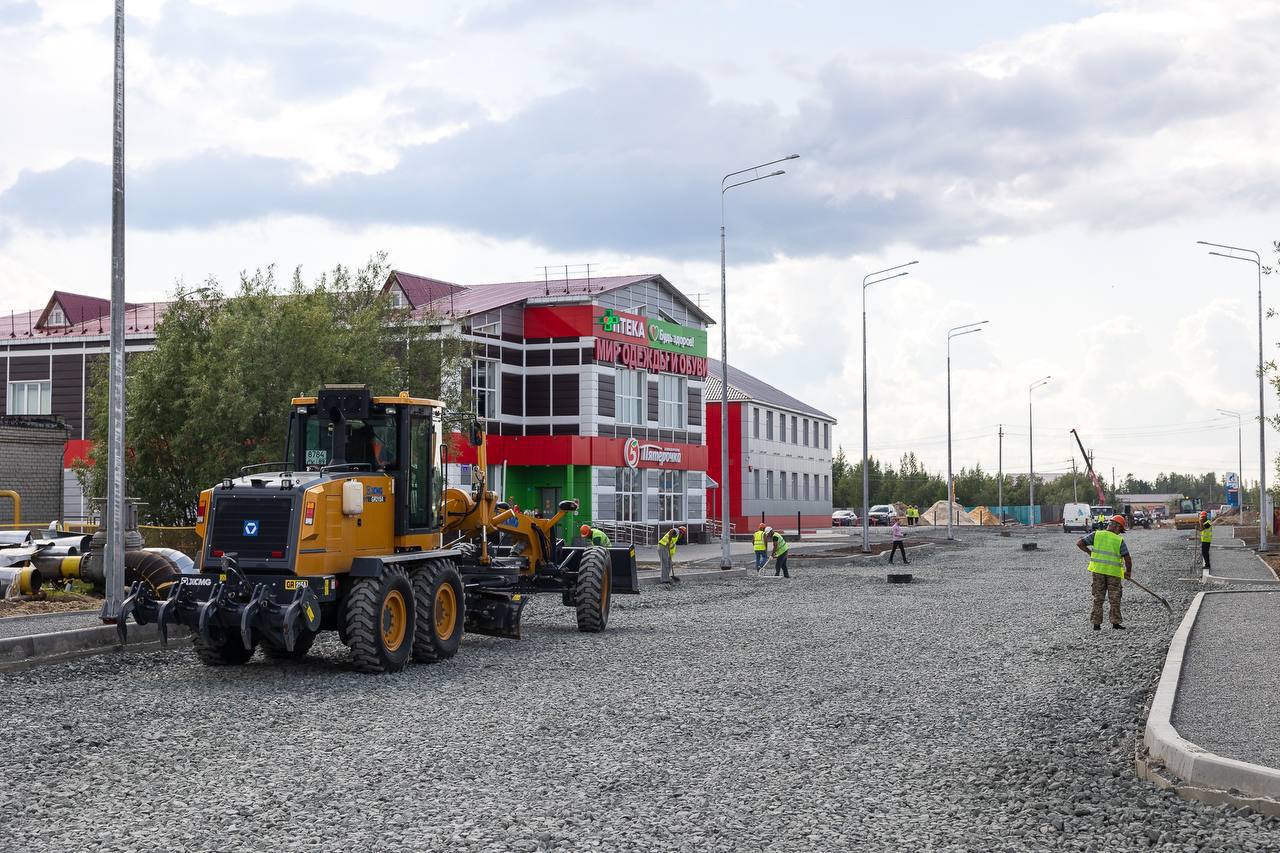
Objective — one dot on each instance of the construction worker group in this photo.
(760, 542)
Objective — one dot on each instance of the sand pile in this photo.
(983, 516)
(937, 514)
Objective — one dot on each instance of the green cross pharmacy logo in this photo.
(610, 321)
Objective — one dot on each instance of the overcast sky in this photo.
(1050, 164)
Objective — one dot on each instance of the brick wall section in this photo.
(31, 465)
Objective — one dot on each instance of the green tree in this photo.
(214, 393)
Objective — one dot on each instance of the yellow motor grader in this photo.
(357, 531)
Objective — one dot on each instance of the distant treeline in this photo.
(910, 482)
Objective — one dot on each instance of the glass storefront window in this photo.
(671, 401)
(628, 494)
(671, 496)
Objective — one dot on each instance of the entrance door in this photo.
(549, 503)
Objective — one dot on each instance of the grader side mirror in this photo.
(569, 506)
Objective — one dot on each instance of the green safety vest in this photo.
(757, 541)
(912, 512)
(598, 537)
(1206, 533)
(1105, 558)
(669, 540)
(780, 545)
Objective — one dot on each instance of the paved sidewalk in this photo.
(1225, 699)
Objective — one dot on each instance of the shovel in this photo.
(1152, 594)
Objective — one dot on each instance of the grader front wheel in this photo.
(380, 620)
(592, 596)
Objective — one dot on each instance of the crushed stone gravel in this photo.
(974, 709)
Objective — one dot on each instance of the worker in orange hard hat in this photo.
(760, 546)
(595, 536)
(1109, 564)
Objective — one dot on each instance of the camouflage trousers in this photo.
(1110, 586)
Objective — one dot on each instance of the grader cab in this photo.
(357, 531)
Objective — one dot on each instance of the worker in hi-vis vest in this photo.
(596, 536)
(667, 554)
(780, 548)
(1206, 539)
(761, 547)
(1110, 564)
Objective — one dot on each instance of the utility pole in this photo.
(1113, 486)
(1075, 495)
(113, 551)
(1000, 473)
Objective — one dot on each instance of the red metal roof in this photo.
(420, 290)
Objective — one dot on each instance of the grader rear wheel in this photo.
(592, 596)
(440, 602)
(379, 623)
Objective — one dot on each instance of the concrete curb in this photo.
(697, 576)
(37, 649)
(1199, 768)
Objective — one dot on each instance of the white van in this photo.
(1076, 517)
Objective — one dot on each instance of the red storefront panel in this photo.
(583, 450)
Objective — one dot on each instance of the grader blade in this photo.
(496, 614)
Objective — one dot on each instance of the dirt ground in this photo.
(61, 602)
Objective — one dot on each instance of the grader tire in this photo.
(441, 608)
(301, 646)
(592, 595)
(379, 624)
(228, 651)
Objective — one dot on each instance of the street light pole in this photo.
(725, 562)
(1240, 455)
(957, 331)
(1031, 452)
(866, 478)
(113, 551)
(1262, 417)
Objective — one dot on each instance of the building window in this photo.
(56, 317)
(795, 436)
(755, 491)
(397, 298)
(30, 398)
(488, 323)
(806, 432)
(630, 397)
(671, 401)
(755, 422)
(671, 495)
(484, 388)
(782, 485)
(768, 427)
(826, 436)
(806, 487)
(768, 484)
(795, 485)
(826, 487)
(628, 494)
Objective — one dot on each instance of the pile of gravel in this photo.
(971, 710)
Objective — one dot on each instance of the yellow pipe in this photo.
(17, 505)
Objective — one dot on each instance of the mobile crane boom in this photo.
(1097, 486)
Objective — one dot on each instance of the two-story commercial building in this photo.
(779, 455)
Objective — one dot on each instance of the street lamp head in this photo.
(778, 172)
(792, 157)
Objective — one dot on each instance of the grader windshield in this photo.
(396, 436)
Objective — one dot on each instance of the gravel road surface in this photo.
(1226, 696)
(22, 626)
(972, 710)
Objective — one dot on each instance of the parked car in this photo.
(1076, 516)
(883, 514)
(1139, 518)
(844, 518)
